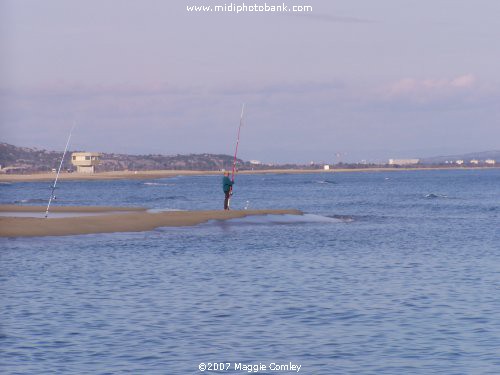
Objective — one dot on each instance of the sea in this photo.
(386, 273)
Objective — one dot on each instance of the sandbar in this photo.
(130, 220)
(53, 208)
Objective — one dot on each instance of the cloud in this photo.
(329, 115)
(464, 81)
(76, 90)
(407, 86)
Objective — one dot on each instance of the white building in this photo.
(490, 161)
(85, 162)
(474, 161)
(403, 161)
(459, 162)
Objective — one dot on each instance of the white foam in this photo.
(32, 200)
(54, 215)
(435, 195)
(284, 219)
(158, 184)
(158, 210)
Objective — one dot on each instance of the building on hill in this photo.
(85, 162)
(403, 161)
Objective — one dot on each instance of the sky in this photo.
(350, 80)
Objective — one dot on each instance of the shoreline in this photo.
(144, 175)
(68, 209)
(133, 219)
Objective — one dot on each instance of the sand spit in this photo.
(54, 208)
(122, 175)
(132, 220)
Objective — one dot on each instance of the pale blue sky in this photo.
(371, 79)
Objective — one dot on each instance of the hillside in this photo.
(14, 159)
(28, 160)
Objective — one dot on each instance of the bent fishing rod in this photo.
(58, 171)
(237, 142)
(236, 153)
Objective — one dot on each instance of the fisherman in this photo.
(227, 186)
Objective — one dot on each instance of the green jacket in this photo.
(226, 184)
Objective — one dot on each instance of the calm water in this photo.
(393, 273)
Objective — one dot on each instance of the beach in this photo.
(117, 175)
(109, 219)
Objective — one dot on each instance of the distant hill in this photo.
(200, 162)
(27, 160)
(484, 155)
(14, 159)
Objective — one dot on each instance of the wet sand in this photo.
(130, 220)
(121, 175)
(76, 209)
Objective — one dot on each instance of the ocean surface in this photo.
(388, 273)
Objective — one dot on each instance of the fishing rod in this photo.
(58, 171)
(236, 153)
(237, 142)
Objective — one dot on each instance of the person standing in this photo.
(227, 187)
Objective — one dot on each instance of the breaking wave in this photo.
(435, 196)
(31, 200)
(343, 218)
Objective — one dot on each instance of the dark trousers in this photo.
(226, 200)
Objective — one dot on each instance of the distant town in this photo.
(24, 160)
